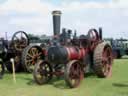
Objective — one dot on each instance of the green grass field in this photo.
(117, 85)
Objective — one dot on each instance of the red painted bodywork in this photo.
(75, 53)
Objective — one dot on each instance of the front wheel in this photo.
(42, 72)
(73, 73)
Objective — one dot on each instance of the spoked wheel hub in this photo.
(30, 57)
(73, 73)
(42, 72)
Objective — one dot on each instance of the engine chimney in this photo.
(100, 33)
(56, 22)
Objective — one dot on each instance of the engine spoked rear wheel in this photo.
(42, 72)
(103, 60)
(106, 61)
(30, 56)
(73, 73)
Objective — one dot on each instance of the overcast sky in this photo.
(34, 16)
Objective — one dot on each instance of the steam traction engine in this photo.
(13, 49)
(72, 57)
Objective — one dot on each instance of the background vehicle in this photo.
(13, 49)
(119, 47)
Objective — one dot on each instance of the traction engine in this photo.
(13, 49)
(70, 57)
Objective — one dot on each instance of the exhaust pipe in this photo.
(100, 33)
(56, 22)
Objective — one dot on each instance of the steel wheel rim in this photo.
(75, 74)
(20, 40)
(43, 72)
(106, 61)
(32, 57)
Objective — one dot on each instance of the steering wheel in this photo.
(20, 40)
(93, 34)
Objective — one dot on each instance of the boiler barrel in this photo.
(57, 55)
(60, 54)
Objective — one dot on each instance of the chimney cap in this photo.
(56, 12)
